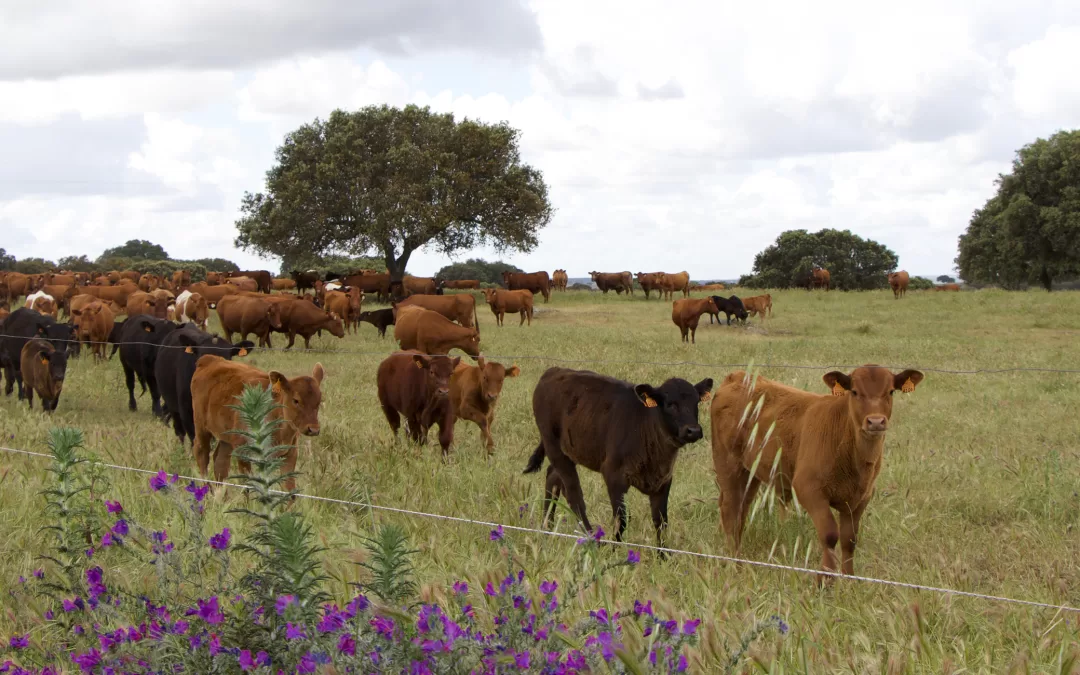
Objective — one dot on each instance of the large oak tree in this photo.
(389, 181)
(854, 263)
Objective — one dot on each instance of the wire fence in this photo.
(565, 535)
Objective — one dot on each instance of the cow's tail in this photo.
(476, 319)
(115, 348)
(536, 461)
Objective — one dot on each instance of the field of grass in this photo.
(979, 490)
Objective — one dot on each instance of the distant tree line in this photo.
(135, 254)
(853, 263)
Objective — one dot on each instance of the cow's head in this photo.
(492, 375)
(300, 398)
(335, 325)
(470, 344)
(869, 390)
(438, 369)
(676, 401)
(489, 295)
(56, 363)
(273, 316)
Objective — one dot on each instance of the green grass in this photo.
(978, 491)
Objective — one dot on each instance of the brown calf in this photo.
(418, 386)
(93, 323)
(830, 446)
(686, 312)
(140, 302)
(43, 369)
(898, 282)
(460, 307)
(947, 287)
(474, 391)
(758, 304)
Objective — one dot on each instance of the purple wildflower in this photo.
(307, 664)
(159, 481)
(497, 534)
(215, 645)
(383, 626)
(640, 609)
(120, 529)
(108, 540)
(19, 641)
(294, 632)
(210, 612)
(357, 605)
(38, 574)
(87, 662)
(633, 557)
(246, 661)
(282, 603)
(548, 587)
(521, 660)
(690, 627)
(199, 492)
(347, 645)
(113, 507)
(683, 665)
(461, 588)
(220, 541)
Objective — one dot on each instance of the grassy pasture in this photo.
(979, 489)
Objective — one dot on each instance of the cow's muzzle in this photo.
(691, 434)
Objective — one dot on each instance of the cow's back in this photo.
(214, 387)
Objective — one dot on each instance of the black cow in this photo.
(729, 306)
(380, 318)
(304, 280)
(140, 341)
(630, 433)
(175, 365)
(18, 328)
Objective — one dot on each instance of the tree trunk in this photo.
(396, 268)
(1047, 281)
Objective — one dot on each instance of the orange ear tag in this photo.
(649, 402)
(44, 361)
(908, 387)
(187, 350)
(148, 329)
(276, 389)
(419, 365)
(837, 390)
(243, 352)
(706, 397)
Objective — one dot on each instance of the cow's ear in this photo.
(186, 341)
(318, 373)
(278, 382)
(838, 382)
(243, 348)
(147, 326)
(454, 362)
(650, 397)
(513, 371)
(421, 360)
(76, 312)
(704, 389)
(907, 380)
(45, 358)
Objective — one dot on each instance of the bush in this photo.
(478, 269)
(853, 263)
(34, 266)
(920, 284)
(204, 616)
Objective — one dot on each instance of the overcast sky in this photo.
(673, 136)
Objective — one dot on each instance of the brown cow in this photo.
(502, 302)
(5, 310)
(947, 287)
(432, 333)
(118, 293)
(192, 307)
(305, 319)
(93, 323)
(898, 282)
(379, 284)
(62, 295)
(18, 285)
(243, 315)
(214, 388)
(181, 279)
(145, 303)
(243, 283)
(419, 285)
(460, 307)
(213, 294)
(758, 304)
(283, 285)
(474, 392)
(214, 278)
(559, 279)
(133, 275)
(710, 287)
(462, 284)
(149, 282)
(59, 279)
(650, 281)
(686, 312)
(830, 446)
(81, 300)
(261, 277)
(417, 386)
(43, 369)
(613, 281)
(672, 283)
(819, 278)
(42, 303)
(535, 282)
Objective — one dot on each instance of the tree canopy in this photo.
(945, 279)
(136, 248)
(388, 181)
(476, 268)
(854, 263)
(1029, 231)
(7, 261)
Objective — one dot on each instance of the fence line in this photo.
(565, 535)
(668, 364)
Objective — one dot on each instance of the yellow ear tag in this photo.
(706, 397)
(837, 390)
(242, 352)
(149, 329)
(44, 361)
(908, 387)
(276, 389)
(187, 350)
(649, 402)
(419, 365)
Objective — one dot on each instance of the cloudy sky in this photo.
(673, 135)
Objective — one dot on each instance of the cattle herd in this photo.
(825, 449)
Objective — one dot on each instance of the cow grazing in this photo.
(559, 280)
(613, 281)
(460, 284)
(380, 318)
(43, 368)
(18, 285)
(819, 278)
(674, 283)
(898, 282)
(261, 278)
(686, 312)
(21, 326)
(305, 319)
(214, 388)
(474, 391)
(417, 386)
(649, 282)
(174, 366)
(534, 282)
(432, 333)
(732, 306)
(629, 433)
(758, 304)
(245, 315)
(460, 307)
(947, 287)
(140, 340)
(93, 323)
(830, 445)
(503, 302)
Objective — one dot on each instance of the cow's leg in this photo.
(307, 340)
(9, 380)
(393, 417)
(828, 533)
(222, 460)
(849, 533)
(129, 380)
(485, 423)
(552, 489)
(522, 322)
(155, 397)
(737, 491)
(201, 447)
(572, 486)
(29, 396)
(292, 340)
(693, 334)
(530, 314)
(289, 465)
(446, 435)
(658, 502)
(617, 487)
